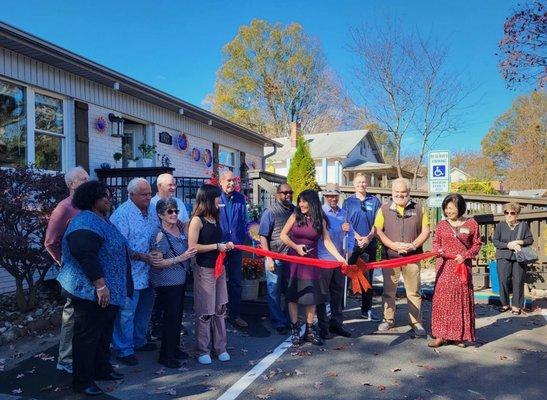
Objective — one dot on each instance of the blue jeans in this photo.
(233, 271)
(131, 325)
(275, 283)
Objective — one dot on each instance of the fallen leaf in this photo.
(297, 372)
(395, 369)
(381, 387)
(419, 376)
(171, 392)
(425, 366)
(437, 351)
(331, 374)
(46, 388)
(343, 347)
(318, 385)
(428, 390)
(17, 391)
(367, 384)
(61, 388)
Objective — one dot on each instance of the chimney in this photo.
(293, 135)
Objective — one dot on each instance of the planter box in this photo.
(249, 289)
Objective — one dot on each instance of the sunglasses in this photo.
(287, 192)
(171, 212)
(510, 213)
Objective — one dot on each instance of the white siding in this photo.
(32, 72)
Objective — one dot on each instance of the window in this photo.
(13, 125)
(227, 158)
(32, 128)
(49, 132)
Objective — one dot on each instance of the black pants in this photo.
(93, 326)
(511, 272)
(335, 280)
(170, 300)
(367, 254)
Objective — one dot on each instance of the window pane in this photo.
(13, 125)
(226, 157)
(49, 114)
(48, 151)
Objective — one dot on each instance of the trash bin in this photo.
(494, 281)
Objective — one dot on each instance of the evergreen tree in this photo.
(302, 171)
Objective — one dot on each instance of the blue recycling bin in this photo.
(494, 281)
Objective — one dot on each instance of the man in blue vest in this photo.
(233, 219)
(362, 208)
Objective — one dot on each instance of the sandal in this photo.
(461, 345)
(437, 343)
(516, 312)
(503, 309)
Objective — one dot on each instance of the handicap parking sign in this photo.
(439, 171)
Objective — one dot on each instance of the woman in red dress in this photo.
(458, 241)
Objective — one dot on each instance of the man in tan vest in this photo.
(403, 227)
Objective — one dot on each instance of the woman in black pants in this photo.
(510, 235)
(168, 277)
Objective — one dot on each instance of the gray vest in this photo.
(403, 228)
(280, 215)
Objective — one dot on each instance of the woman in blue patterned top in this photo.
(96, 275)
(168, 277)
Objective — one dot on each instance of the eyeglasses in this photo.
(287, 192)
(171, 212)
(510, 213)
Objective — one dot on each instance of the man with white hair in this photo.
(403, 228)
(58, 221)
(166, 189)
(136, 219)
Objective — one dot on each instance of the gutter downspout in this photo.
(274, 151)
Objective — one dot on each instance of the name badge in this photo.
(368, 207)
(465, 231)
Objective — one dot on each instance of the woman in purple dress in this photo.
(306, 285)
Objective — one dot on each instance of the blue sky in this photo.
(176, 46)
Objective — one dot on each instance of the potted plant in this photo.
(487, 256)
(252, 271)
(117, 156)
(148, 151)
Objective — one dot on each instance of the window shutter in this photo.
(215, 158)
(81, 120)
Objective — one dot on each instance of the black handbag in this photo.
(526, 255)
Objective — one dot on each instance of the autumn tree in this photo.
(272, 75)
(406, 86)
(476, 164)
(517, 143)
(301, 174)
(522, 48)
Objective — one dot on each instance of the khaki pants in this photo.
(67, 331)
(411, 276)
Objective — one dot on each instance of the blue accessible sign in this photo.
(439, 172)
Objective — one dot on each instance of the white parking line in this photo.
(243, 383)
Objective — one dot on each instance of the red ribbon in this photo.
(355, 272)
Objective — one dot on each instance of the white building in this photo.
(63, 110)
(332, 152)
(457, 175)
(59, 110)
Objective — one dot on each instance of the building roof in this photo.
(327, 145)
(38, 49)
(456, 169)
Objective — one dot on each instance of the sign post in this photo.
(438, 178)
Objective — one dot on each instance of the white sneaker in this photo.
(64, 367)
(224, 356)
(205, 359)
(385, 326)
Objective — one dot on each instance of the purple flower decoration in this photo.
(196, 154)
(208, 158)
(101, 124)
(182, 141)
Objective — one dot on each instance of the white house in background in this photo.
(332, 153)
(59, 110)
(67, 110)
(457, 175)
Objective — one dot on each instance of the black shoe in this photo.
(325, 334)
(112, 376)
(295, 334)
(340, 331)
(181, 355)
(310, 337)
(91, 390)
(170, 363)
(130, 360)
(282, 330)
(147, 347)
